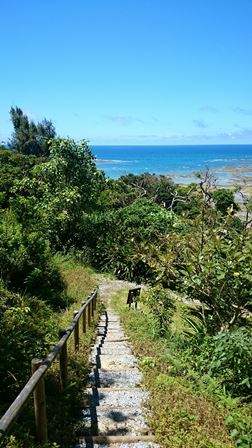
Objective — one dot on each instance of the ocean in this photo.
(230, 163)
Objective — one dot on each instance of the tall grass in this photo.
(186, 410)
(63, 407)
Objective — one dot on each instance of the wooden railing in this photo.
(40, 366)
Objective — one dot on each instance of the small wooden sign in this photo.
(133, 294)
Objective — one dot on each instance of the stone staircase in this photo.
(113, 413)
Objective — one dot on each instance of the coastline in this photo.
(230, 164)
(230, 177)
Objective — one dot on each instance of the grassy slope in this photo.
(182, 417)
(63, 408)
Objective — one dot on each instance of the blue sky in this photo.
(130, 71)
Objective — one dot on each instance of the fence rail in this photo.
(40, 366)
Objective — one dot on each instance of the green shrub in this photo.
(227, 357)
(224, 199)
(119, 241)
(27, 330)
(232, 360)
(161, 305)
(26, 262)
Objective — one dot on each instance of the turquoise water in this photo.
(180, 162)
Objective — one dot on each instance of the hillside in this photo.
(59, 213)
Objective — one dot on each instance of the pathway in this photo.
(113, 414)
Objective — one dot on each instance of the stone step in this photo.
(113, 414)
(113, 422)
(111, 329)
(109, 323)
(117, 346)
(119, 362)
(114, 323)
(118, 357)
(115, 350)
(116, 378)
(111, 338)
(110, 351)
(118, 333)
(107, 329)
(111, 317)
(115, 337)
(117, 442)
(128, 397)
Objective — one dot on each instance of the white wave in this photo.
(228, 160)
(115, 161)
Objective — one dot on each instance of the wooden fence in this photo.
(133, 296)
(40, 366)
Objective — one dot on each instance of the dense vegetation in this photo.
(143, 228)
(192, 387)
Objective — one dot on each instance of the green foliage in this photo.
(28, 137)
(72, 185)
(227, 357)
(232, 359)
(26, 261)
(187, 201)
(13, 167)
(71, 164)
(157, 188)
(183, 200)
(116, 194)
(26, 202)
(161, 305)
(241, 431)
(224, 200)
(180, 416)
(27, 329)
(210, 260)
(59, 191)
(142, 228)
(144, 220)
(117, 241)
(13, 442)
(218, 274)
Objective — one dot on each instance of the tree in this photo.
(28, 137)
(219, 275)
(13, 167)
(61, 189)
(224, 199)
(156, 187)
(120, 240)
(217, 260)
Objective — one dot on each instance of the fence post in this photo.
(84, 320)
(40, 405)
(89, 314)
(95, 297)
(76, 332)
(63, 361)
(92, 307)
